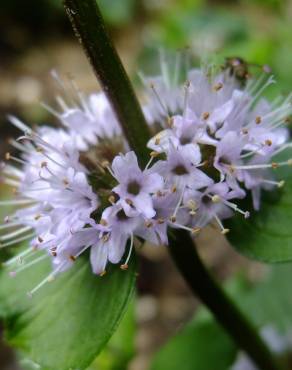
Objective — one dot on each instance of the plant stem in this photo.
(213, 296)
(90, 29)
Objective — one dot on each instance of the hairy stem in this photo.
(90, 29)
(213, 296)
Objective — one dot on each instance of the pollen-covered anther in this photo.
(103, 222)
(148, 224)
(274, 165)
(281, 184)
(231, 168)
(129, 201)
(160, 193)
(157, 140)
(172, 218)
(112, 199)
(258, 120)
(154, 154)
(7, 156)
(174, 189)
(51, 278)
(218, 86)
(225, 231)
(196, 230)
(205, 115)
(268, 142)
(124, 267)
(102, 273)
(105, 164)
(160, 221)
(170, 121)
(105, 238)
(72, 258)
(216, 198)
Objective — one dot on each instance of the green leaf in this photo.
(121, 347)
(67, 323)
(202, 345)
(267, 235)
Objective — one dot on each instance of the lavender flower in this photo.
(213, 142)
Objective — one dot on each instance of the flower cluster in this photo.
(79, 187)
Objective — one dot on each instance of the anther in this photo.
(112, 199)
(44, 164)
(216, 198)
(258, 120)
(274, 165)
(205, 115)
(218, 86)
(160, 221)
(102, 273)
(174, 189)
(124, 267)
(7, 156)
(281, 184)
(72, 258)
(157, 140)
(244, 131)
(196, 230)
(225, 231)
(148, 224)
(103, 222)
(129, 201)
(105, 238)
(268, 142)
(154, 154)
(105, 164)
(170, 121)
(40, 239)
(172, 218)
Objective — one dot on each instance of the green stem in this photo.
(213, 296)
(90, 29)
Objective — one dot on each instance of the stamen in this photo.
(224, 231)
(279, 184)
(25, 253)
(125, 266)
(16, 241)
(152, 86)
(173, 217)
(15, 233)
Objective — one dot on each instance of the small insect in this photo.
(240, 69)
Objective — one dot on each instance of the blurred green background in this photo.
(36, 37)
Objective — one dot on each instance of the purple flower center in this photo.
(134, 188)
(121, 216)
(180, 170)
(185, 140)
